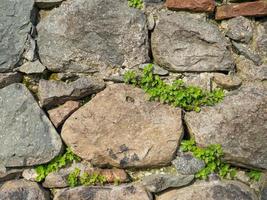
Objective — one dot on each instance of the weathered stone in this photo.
(29, 174)
(159, 182)
(59, 179)
(27, 136)
(156, 69)
(202, 80)
(124, 129)
(22, 190)
(93, 35)
(257, 9)
(261, 39)
(187, 164)
(32, 68)
(58, 92)
(122, 192)
(238, 124)
(191, 5)
(9, 174)
(213, 190)
(48, 3)
(9, 78)
(227, 82)
(247, 52)
(243, 177)
(238, 28)
(60, 114)
(184, 42)
(16, 20)
(248, 71)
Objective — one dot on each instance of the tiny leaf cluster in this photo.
(135, 4)
(177, 94)
(57, 163)
(254, 175)
(212, 156)
(75, 179)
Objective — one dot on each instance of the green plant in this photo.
(73, 178)
(56, 164)
(254, 175)
(211, 155)
(176, 94)
(135, 3)
(93, 179)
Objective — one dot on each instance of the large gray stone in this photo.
(122, 192)
(261, 38)
(90, 36)
(213, 190)
(238, 124)
(16, 19)
(57, 92)
(121, 128)
(22, 190)
(27, 136)
(158, 182)
(184, 42)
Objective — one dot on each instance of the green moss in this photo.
(136, 4)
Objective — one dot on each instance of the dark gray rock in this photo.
(92, 36)
(10, 173)
(158, 182)
(263, 194)
(16, 18)
(212, 190)
(184, 42)
(239, 29)
(185, 163)
(122, 192)
(247, 52)
(22, 190)
(9, 78)
(57, 92)
(27, 136)
(238, 124)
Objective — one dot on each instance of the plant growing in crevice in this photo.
(254, 175)
(57, 163)
(76, 179)
(176, 94)
(136, 4)
(212, 156)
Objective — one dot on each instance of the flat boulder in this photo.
(121, 128)
(122, 192)
(213, 190)
(184, 42)
(238, 124)
(22, 190)
(27, 136)
(16, 18)
(90, 36)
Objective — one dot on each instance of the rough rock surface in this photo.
(238, 28)
(9, 174)
(27, 135)
(191, 5)
(227, 82)
(57, 92)
(213, 190)
(257, 9)
(185, 42)
(248, 71)
(158, 182)
(48, 3)
(123, 192)
(261, 39)
(32, 68)
(16, 24)
(60, 114)
(9, 78)
(186, 163)
(89, 36)
(124, 129)
(238, 124)
(22, 190)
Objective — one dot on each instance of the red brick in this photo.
(191, 5)
(257, 9)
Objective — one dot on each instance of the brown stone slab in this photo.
(191, 5)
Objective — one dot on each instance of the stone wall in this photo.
(61, 85)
